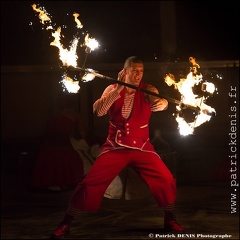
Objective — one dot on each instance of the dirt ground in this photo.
(205, 210)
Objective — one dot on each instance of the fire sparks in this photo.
(79, 24)
(69, 84)
(89, 75)
(43, 15)
(68, 56)
(91, 43)
(185, 87)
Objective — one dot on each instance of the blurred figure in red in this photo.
(58, 165)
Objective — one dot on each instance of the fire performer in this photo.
(127, 144)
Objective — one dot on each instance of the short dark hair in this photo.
(132, 59)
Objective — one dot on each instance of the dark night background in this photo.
(207, 30)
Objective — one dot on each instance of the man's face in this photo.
(134, 74)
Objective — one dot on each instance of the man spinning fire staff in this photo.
(127, 144)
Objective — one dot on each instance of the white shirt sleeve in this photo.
(102, 105)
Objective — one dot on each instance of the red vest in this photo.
(132, 132)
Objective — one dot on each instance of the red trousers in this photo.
(89, 193)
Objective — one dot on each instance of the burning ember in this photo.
(68, 56)
(185, 87)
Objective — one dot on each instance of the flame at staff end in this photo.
(185, 87)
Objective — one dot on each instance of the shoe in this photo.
(171, 225)
(62, 231)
